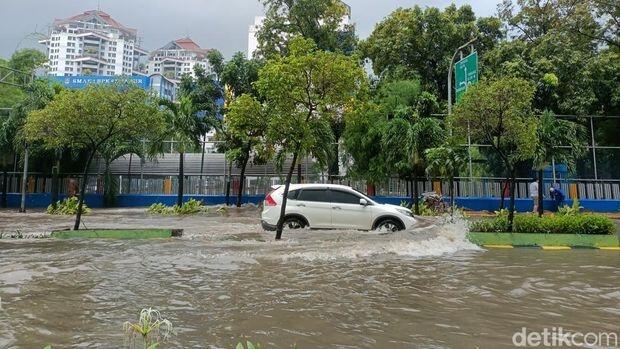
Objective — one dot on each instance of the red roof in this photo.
(188, 44)
(100, 14)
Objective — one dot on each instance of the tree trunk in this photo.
(228, 178)
(334, 164)
(502, 199)
(242, 180)
(22, 207)
(511, 209)
(181, 178)
(129, 174)
(541, 208)
(5, 184)
(202, 167)
(54, 193)
(287, 184)
(416, 195)
(451, 191)
(78, 216)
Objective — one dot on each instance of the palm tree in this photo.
(405, 142)
(559, 140)
(186, 129)
(446, 162)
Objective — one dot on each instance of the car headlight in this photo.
(405, 212)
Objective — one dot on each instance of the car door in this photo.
(315, 205)
(347, 213)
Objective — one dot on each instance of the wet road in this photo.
(226, 280)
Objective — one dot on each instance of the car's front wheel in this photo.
(388, 225)
(294, 223)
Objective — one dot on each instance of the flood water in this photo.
(227, 280)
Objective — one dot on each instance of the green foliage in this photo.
(549, 224)
(151, 328)
(303, 93)
(498, 113)
(572, 210)
(445, 161)
(363, 134)
(93, 117)
(189, 207)
(286, 20)
(245, 125)
(239, 74)
(248, 345)
(67, 207)
(419, 42)
(552, 132)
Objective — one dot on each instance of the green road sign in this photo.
(466, 71)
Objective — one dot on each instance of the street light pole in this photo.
(450, 72)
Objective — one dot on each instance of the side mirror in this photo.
(363, 202)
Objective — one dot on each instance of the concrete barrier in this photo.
(42, 200)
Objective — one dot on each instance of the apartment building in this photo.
(177, 58)
(93, 43)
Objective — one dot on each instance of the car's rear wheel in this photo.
(388, 225)
(294, 223)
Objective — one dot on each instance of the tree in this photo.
(303, 92)
(216, 61)
(499, 113)
(245, 123)
(37, 95)
(559, 140)
(446, 161)
(362, 141)
(318, 20)
(409, 130)
(417, 42)
(185, 128)
(239, 74)
(91, 119)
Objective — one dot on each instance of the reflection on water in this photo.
(427, 288)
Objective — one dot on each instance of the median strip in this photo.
(117, 234)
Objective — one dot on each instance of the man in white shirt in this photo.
(534, 194)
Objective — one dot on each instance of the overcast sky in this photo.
(220, 24)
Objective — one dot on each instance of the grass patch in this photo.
(115, 234)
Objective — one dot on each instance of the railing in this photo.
(259, 185)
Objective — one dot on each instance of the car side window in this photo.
(316, 195)
(343, 197)
(292, 195)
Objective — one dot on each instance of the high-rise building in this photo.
(177, 58)
(258, 23)
(93, 43)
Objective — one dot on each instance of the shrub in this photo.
(67, 207)
(190, 207)
(554, 224)
(573, 210)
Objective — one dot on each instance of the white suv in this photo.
(330, 206)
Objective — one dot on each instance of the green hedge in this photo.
(550, 224)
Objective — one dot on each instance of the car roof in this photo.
(318, 186)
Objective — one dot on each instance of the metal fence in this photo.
(259, 185)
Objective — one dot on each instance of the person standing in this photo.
(534, 194)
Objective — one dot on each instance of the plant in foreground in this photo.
(151, 328)
(192, 206)
(67, 207)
